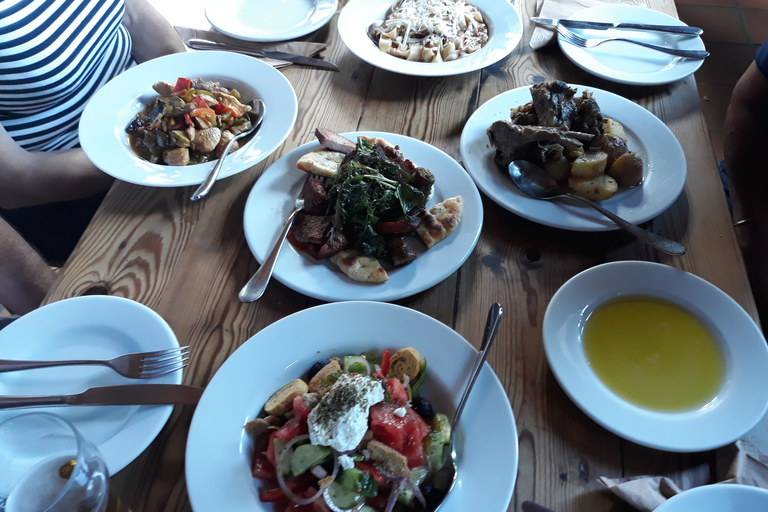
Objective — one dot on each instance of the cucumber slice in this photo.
(307, 456)
(356, 364)
(343, 497)
(442, 425)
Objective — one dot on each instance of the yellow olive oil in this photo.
(653, 353)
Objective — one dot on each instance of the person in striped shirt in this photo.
(53, 56)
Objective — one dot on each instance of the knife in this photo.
(204, 44)
(675, 29)
(130, 394)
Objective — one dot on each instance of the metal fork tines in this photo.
(575, 39)
(139, 365)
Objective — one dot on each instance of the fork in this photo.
(139, 365)
(575, 39)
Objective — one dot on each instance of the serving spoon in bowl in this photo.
(450, 472)
(376, 25)
(256, 115)
(537, 183)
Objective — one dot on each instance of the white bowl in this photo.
(718, 498)
(741, 401)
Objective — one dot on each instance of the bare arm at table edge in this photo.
(151, 34)
(24, 276)
(746, 163)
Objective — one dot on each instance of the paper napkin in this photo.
(559, 9)
(305, 49)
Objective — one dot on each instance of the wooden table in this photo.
(187, 261)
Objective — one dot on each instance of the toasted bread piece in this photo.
(440, 221)
(375, 140)
(406, 361)
(389, 460)
(322, 162)
(282, 400)
(332, 367)
(360, 267)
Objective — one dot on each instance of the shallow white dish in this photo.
(663, 158)
(102, 125)
(275, 20)
(218, 450)
(718, 498)
(628, 63)
(274, 194)
(504, 27)
(739, 405)
(90, 327)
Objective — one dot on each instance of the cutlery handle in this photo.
(674, 29)
(659, 242)
(687, 54)
(255, 286)
(7, 365)
(206, 185)
(8, 402)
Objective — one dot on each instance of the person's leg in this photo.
(25, 277)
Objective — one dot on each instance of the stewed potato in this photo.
(596, 189)
(627, 170)
(590, 165)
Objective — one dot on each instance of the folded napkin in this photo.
(559, 9)
(645, 493)
(302, 48)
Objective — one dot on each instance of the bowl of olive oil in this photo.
(657, 355)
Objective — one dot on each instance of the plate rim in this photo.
(707, 490)
(108, 148)
(280, 36)
(572, 52)
(260, 242)
(350, 33)
(639, 425)
(152, 419)
(476, 152)
(200, 428)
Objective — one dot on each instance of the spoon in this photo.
(371, 30)
(451, 471)
(536, 182)
(256, 114)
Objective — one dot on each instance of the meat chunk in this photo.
(163, 88)
(312, 229)
(336, 243)
(332, 140)
(226, 137)
(554, 103)
(206, 140)
(588, 117)
(400, 250)
(177, 156)
(315, 197)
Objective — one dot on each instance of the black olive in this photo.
(423, 408)
(432, 495)
(314, 369)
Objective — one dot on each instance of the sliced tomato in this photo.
(404, 434)
(382, 374)
(398, 227)
(300, 409)
(262, 468)
(368, 468)
(397, 391)
(292, 428)
(269, 495)
(182, 84)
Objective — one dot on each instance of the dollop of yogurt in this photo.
(340, 420)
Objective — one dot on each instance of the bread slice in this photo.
(440, 221)
(282, 400)
(406, 361)
(360, 267)
(322, 162)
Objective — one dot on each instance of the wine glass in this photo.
(47, 466)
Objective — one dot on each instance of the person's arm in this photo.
(31, 178)
(25, 278)
(151, 34)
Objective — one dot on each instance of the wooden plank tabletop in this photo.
(187, 261)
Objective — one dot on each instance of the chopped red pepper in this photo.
(368, 468)
(382, 374)
(188, 120)
(182, 84)
(199, 102)
(221, 108)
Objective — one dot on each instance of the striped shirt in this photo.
(54, 55)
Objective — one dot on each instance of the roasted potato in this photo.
(597, 188)
(613, 127)
(590, 164)
(627, 170)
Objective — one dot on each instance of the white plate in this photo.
(102, 126)
(504, 27)
(628, 63)
(218, 451)
(272, 198)
(663, 158)
(273, 20)
(718, 498)
(90, 327)
(739, 405)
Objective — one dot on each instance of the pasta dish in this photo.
(433, 30)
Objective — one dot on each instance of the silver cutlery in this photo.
(131, 394)
(256, 114)
(139, 365)
(674, 29)
(256, 285)
(204, 44)
(575, 39)
(537, 183)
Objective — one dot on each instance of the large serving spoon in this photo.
(536, 182)
(256, 115)
(450, 471)
(373, 27)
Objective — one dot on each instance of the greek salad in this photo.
(353, 435)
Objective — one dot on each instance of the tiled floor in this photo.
(733, 31)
